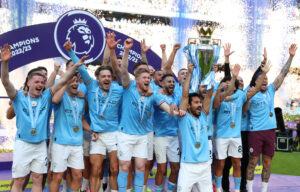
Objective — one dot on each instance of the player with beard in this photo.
(136, 110)
(32, 111)
(104, 99)
(195, 166)
(166, 144)
(261, 137)
(157, 78)
(167, 69)
(67, 136)
(228, 126)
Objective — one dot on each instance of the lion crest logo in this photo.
(81, 36)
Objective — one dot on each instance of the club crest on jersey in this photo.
(84, 30)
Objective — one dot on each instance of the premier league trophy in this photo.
(204, 53)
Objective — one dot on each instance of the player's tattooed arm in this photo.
(253, 90)
(5, 57)
(120, 71)
(128, 43)
(168, 67)
(105, 60)
(144, 49)
(207, 101)
(284, 71)
(163, 56)
(185, 89)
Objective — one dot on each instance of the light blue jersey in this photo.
(228, 117)
(136, 110)
(68, 114)
(190, 152)
(104, 114)
(155, 88)
(163, 123)
(178, 90)
(245, 125)
(261, 110)
(24, 121)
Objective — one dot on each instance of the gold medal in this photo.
(33, 103)
(197, 144)
(101, 116)
(33, 131)
(76, 128)
(271, 114)
(232, 125)
(207, 128)
(150, 114)
(103, 94)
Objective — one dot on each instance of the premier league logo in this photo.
(85, 32)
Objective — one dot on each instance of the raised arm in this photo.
(168, 67)
(227, 53)
(67, 75)
(56, 98)
(105, 60)
(121, 72)
(185, 89)
(83, 72)
(52, 77)
(163, 56)
(5, 57)
(128, 43)
(284, 71)
(252, 91)
(207, 101)
(221, 96)
(144, 49)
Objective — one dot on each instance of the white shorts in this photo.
(86, 147)
(166, 148)
(132, 146)
(150, 145)
(228, 147)
(107, 141)
(194, 173)
(64, 156)
(29, 157)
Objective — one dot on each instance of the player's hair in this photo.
(228, 78)
(182, 69)
(102, 68)
(166, 75)
(192, 95)
(156, 71)
(139, 63)
(140, 71)
(42, 68)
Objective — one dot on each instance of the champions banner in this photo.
(83, 29)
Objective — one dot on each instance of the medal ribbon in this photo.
(37, 111)
(105, 103)
(197, 129)
(75, 110)
(140, 107)
(233, 110)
